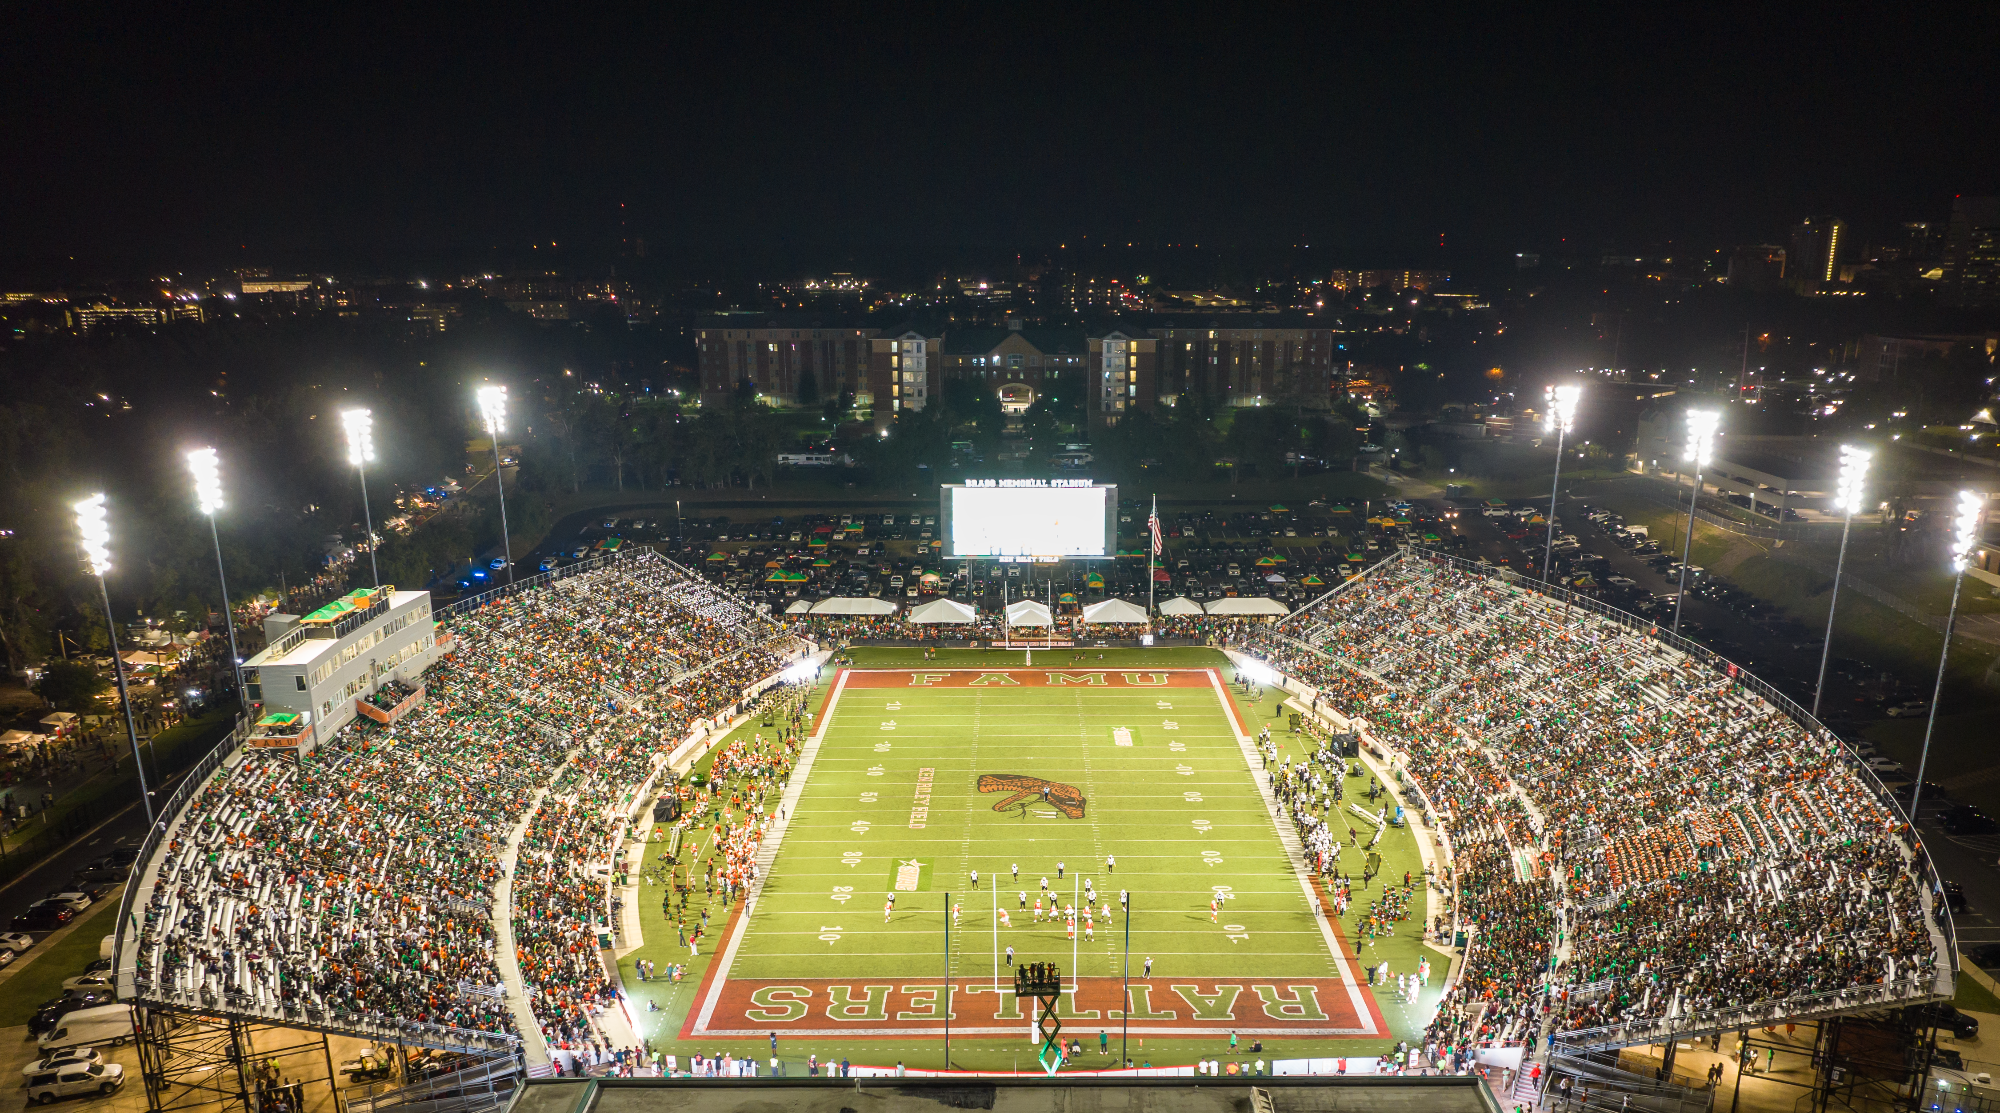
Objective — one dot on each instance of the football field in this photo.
(917, 776)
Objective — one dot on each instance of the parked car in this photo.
(1968, 820)
(1907, 708)
(73, 1080)
(43, 915)
(14, 942)
(87, 981)
(102, 871)
(52, 1012)
(74, 900)
(71, 1056)
(1884, 765)
(1945, 1016)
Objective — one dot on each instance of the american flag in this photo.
(1153, 523)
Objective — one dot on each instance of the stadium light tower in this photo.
(1561, 416)
(360, 426)
(1847, 500)
(493, 407)
(208, 493)
(1700, 448)
(1965, 538)
(96, 530)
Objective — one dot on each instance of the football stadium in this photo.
(1440, 820)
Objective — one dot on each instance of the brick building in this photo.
(1241, 361)
(774, 353)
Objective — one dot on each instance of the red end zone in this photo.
(1259, 1005)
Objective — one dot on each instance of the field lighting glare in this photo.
(1965, 538)
(360, 426)
(1848, 501)
(493, 407)
(92, 523)
(207, 479)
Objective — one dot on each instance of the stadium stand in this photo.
(1643, 839)
(354, 889)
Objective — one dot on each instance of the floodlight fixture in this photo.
(207, 471)
(1560, 408)
(93, 523)
(1965, 529)
(1701, 436)
(360, 426)
(493, 407)
(1854, 463)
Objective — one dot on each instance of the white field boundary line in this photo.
(789, 806)
(1293, 855)
(727, 959)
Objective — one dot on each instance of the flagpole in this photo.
(1153, 549)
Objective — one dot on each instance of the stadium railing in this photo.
(1804, 1005)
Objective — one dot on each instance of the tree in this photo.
(70, 686)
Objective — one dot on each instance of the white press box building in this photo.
(315, 672)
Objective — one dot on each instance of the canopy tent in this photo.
(943, 610)
(1180, 605)
(782, 576)
(1274, 578)
(1248, 606)
(1312, 580)
(1027, 612)
(1269, 561)
(1114, 611)
(1066, 597)
(799, 606)
(1094, 580)
(1160, 576)
(843, 604)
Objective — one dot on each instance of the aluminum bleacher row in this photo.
(353, 889)
(1683, 849)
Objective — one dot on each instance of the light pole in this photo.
(1700, 447)
(208, 492)
(1853, 473)
(360, 425)
(96, 531)
(1561, 404)
(493, 407)
(1965, 538)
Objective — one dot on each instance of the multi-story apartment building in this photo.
(776, 353)
(1241, 361)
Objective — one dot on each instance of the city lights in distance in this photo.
(93, 523)
(360, 426)
(207, 471)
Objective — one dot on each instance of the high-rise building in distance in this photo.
(1972, 252)
(1817, 243)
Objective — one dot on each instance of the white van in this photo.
(110, 1024)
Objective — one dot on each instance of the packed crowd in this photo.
(354, 886)
(1636, 839)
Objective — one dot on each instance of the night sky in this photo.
(184, 138)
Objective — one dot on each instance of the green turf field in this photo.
(1143, 765)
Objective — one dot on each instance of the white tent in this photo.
(1250, 605)
(1114, 611)
(844, 604)
(1027, 612)
(800, 606)
(1180, 605)
(943, 610)
(1274, 578)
